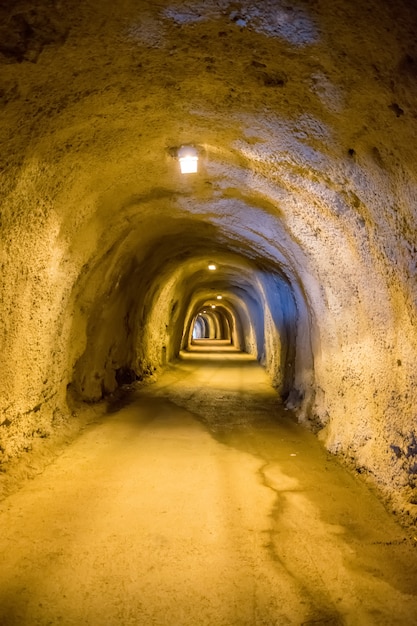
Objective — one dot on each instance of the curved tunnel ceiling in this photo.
(304, 115)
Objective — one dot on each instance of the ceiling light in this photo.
(213, 306)
(212, 267)
(188, 158)
(219, 297)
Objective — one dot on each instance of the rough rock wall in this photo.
(305, 114)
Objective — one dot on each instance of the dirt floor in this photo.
(200, 502)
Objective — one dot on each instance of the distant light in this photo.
(188, 158)
(204, 311)
(219, 297)
(213, 306)
(212, 267)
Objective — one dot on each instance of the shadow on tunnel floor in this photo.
(203, 353)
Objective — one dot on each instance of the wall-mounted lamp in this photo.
(188, 158)
(212, 267)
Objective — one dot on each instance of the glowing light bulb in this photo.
(188, 165)
(213, 306)
(188, 158)
(212, 267)
(219, 297)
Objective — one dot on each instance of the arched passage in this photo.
(304, 196)
(211, 324)
(200, 330)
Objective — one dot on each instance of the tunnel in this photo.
(290, 243)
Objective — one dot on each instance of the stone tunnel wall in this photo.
(306, 115)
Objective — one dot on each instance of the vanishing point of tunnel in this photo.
(208, 312)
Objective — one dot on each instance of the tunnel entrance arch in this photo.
(200, 328)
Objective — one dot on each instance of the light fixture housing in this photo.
(188, 158)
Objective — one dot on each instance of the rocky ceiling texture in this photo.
(305, 117)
